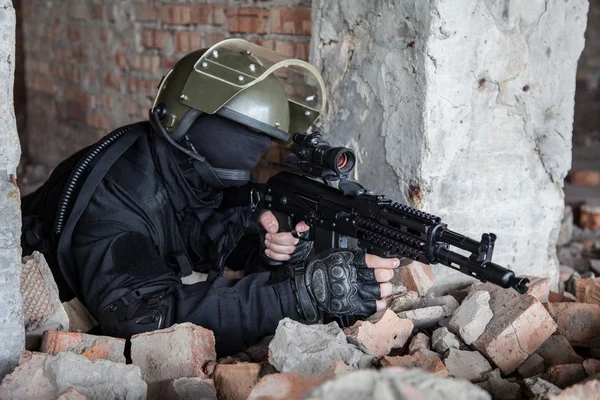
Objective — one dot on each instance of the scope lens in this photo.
(342, 161)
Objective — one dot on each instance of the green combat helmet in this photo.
(244, 82)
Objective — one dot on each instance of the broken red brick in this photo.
(419, 359)
(236, 381)
(557, 350)
(519, 326)
(259, 352)
(415, 276)
(566, 375)
(588, 290)
(578, 322)
(583, 177)
(554, 297)
(179, 351)
(539, 287)
(71, 394)
(90, 346)
(419, 342)
(381, 333)
(288, 385)
(589, 215)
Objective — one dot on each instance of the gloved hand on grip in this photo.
(342, 282)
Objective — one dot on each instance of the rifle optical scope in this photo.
(316, 151)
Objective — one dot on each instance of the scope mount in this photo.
(302, 161)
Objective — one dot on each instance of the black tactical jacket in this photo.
(148, 221)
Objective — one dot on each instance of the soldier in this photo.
(125, 222)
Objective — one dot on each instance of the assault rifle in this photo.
(381, 226)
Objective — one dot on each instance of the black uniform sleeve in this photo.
(114, 263)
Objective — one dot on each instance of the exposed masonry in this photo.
(466, 113)
(93, 66)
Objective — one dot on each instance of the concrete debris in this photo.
(595, 266)
(419, 342)
(566, 227)
(339, 368)
(448, 302)
(403, 301)
(499, 388)
(236, 381)
(540, 388)
(194, 388)
(556, 350)
(179, 351)
(284, 386)
(42, 307)
(416, 277)
(592, 366)
(443, 340)
(470, 365)
(381, 333)
(473, 315)
(80, 319)
(519, 326)
(46, 377)
(589, 390)
(395, 383)
(424, 317)
(90, 346)
(430, 363)
(28, 381)
(534, 365)
(311, 349)
(578, 322)
(566, 374)
(572, 255)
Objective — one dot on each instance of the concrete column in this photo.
(463, 108)
(12, 334)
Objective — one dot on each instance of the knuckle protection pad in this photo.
(338, 284)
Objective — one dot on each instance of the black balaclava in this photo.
(227, 144)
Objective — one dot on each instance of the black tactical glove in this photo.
(336, 283)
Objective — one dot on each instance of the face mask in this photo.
(226, 144)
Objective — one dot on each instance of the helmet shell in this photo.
(246, 83)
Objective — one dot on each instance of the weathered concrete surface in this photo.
(461, 108)
(395, 383)
(12, 333)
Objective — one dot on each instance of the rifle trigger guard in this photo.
(299, 235)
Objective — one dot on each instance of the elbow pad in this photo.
(142, 310)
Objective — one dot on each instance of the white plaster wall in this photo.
(12, 334)
(463, 108)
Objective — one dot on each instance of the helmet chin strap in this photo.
(218, 178)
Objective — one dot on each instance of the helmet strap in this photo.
(217, 178)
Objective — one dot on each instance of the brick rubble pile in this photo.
(482, 341)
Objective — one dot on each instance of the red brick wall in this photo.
(92, 66)
(587, 97)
